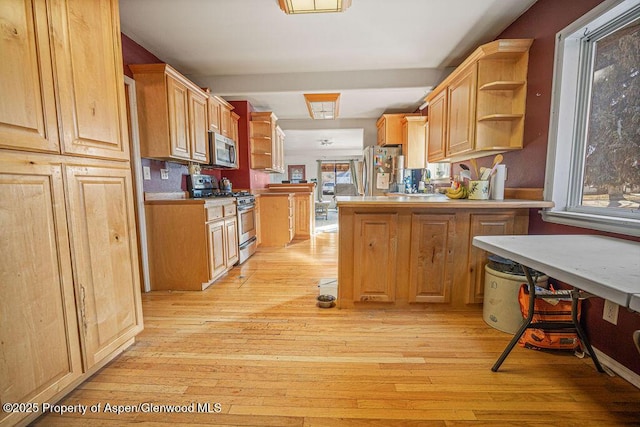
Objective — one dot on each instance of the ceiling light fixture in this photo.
(322, 105)
(313, 6)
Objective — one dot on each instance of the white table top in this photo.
(603, 266)
(635, 303)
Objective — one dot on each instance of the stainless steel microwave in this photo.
(222, 151)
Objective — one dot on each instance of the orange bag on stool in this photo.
(554, 310)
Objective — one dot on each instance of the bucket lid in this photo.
(505, 265)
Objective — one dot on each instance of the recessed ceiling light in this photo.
(313, 6)
(322, 105)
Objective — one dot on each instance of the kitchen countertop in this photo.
(437, 201)
(214, 201)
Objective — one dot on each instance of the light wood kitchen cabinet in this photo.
(71, 299)
(266, 142)
(86, 45)
(437, 130)
(398, 253)
(494, 224)
(198, 122)
(304, 215)
(390, 128)
(39, 339)
(414, 148)
(231, 241)
(276, 219)
(234, 127)
(225, 119)
(173, 116)
(375, 257)
(219, 115)
(214, 104)
(216, 247)
(28, 117)
(105, 255)
(192, 242)
(87, 113)
(461, 95)
(278, 164)
(485, 99)
(303, 207)
(431, 261)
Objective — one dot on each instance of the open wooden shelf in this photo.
(502, 85)
(500, 117)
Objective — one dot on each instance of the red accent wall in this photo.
(527, 167)
(133, 53)
(244, 177)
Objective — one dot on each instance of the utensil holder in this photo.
(479, 190)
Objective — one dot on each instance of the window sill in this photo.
(624, 226)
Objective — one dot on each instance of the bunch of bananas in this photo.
(460, 192)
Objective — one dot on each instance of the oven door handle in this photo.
(245, 208)
(248, 243)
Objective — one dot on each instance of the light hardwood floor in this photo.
(255, 343)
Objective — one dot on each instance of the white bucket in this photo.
(500, 308)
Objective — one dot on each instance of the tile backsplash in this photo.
(177, 177)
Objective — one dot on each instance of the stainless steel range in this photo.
(247, 240)
(205, 186)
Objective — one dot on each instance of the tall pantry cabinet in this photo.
(69, 280)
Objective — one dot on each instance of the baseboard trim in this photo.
(618, 368)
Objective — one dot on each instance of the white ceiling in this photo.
(381, 55)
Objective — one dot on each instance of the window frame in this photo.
(572, 80)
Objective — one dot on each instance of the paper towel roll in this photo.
(497, 182)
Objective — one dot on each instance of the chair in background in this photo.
(322, 209)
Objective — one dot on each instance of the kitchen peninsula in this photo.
(395, 252)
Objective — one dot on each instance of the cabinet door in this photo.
(213, 111)
(225, 121)
(105, 255)
(382, 129)
(28, 118)
(437, 131)
(497, 224)
(431, 259)
(375, 257)
(88, 58)
(177, 95)
(216, 241)
(302, 226)
(234, 126)
(198, 132)
(39, 339)
(462, 112)
(413, 142)
(231, 238)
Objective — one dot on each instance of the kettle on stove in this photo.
(225, 185)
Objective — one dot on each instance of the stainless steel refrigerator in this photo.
(378, 170)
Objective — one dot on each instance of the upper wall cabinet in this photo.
(390, 128)
(65, 117)
(414, 148)
(173, 115)
(267, 142)
(479, 109)
(220, 119)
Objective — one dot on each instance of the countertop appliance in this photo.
(378, 172)
(222, 151)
